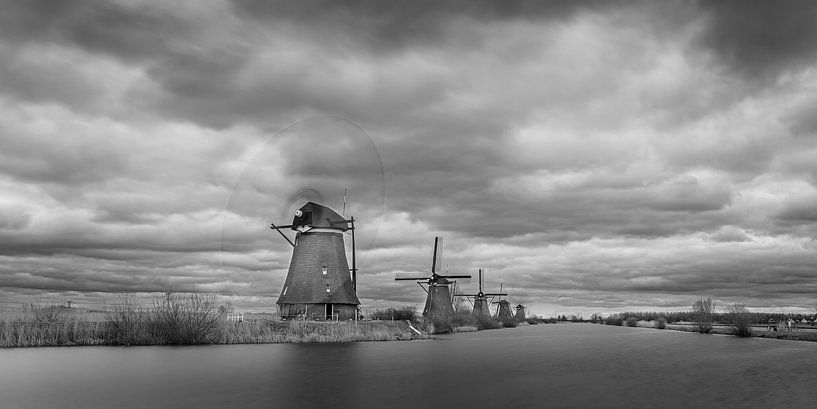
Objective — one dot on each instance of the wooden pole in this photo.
(354, 264)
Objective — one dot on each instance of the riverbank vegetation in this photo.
(735, 320)
(177, 319)
(195, 318)
(463, 320)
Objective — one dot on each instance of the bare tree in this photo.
(461, 304)
(41, 312)
(703, 311)
(741, 320)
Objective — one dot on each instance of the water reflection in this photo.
(320, 376)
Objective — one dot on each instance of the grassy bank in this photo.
(26, 334)
(177, 320)
(754, 330)
(192, 319)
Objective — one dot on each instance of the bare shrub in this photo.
(661, 323)
(193, 319)
(509, 322)
(464, 318)
(485, 322)
(128, 323)
(703, 311)
(461, 304)
(408, 313)
(614, 319)
(740, 319)
(38, 312)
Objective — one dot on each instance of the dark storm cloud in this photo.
(391, 26)
(127, 31)
(762, 39)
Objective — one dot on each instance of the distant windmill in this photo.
(481, 300)
(439, 296)
(319, 282)
(503, 308)
(520, 313)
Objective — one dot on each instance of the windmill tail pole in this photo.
(354, 264)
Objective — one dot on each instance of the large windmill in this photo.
(439, 296)
(319, 283)
(481, 300)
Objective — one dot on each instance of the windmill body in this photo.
(318, 283)
(438, 299)
(503, 311)
(481, 307)
(520, 312)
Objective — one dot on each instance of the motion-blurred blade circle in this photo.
(322, 159)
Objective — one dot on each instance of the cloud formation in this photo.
(591, 156)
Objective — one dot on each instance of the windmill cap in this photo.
(318, 216)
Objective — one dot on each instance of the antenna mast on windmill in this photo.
(438, 292)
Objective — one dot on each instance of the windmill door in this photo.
(328, 312)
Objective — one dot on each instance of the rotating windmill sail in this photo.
(438, 291)
(293, 184)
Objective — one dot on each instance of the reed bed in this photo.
(27, 334)
(176, 320)
(311, 331)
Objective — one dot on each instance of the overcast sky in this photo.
(591, 156)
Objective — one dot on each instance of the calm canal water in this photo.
(544, 366)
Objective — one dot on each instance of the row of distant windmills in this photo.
(320, 285)
(440, 297)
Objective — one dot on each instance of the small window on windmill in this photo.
(328, 289)
(324, 270)
(285, 290)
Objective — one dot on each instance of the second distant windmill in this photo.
(480, 308)
(439, 300)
